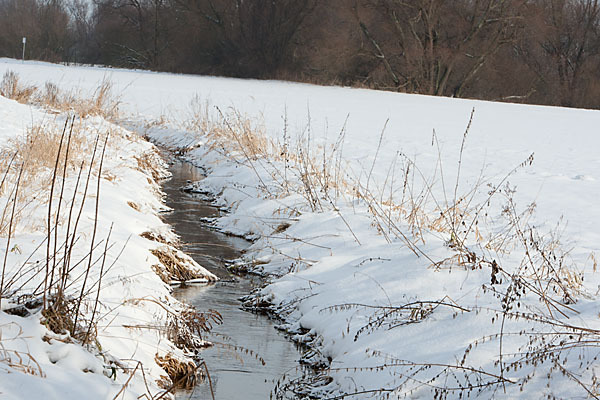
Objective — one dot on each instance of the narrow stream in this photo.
(234, 375)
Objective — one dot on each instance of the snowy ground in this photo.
(414, 268)
(134, 305)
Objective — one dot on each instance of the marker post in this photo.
(24, 42)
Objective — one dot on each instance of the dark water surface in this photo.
(234, 375)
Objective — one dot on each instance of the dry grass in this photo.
(35, 170)
(181, 373)
(102, 101)
(22, 362)
(153, 163)
(12, 88)
(35, 158)
(46, 149)
(38, 148)
(174, 267)
(187, 328)
(59, 318)
(157, 237)
(313, 171)
(133, 205)
(17, 360)
(160, 271)
(427, 208)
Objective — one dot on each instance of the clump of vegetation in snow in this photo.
(102, 102)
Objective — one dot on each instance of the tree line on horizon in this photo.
(528, 51)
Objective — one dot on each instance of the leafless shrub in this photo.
(60, 304)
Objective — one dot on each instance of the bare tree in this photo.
(82, 25)
(438, 46)
(250, 38)
(46, 24)
(571, 40)
(134, 32)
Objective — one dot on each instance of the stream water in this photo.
(234, 375)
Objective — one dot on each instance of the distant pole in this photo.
(24, 42)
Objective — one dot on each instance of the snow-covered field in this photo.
(419, 253)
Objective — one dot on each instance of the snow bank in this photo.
(127, 328)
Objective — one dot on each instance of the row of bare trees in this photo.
(537, 51)
(230, 37)
(42, 22)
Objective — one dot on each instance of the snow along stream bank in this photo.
(234, 372)
(395, 307)
(85, 314)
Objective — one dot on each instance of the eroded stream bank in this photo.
(234, 375)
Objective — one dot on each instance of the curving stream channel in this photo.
(233, 375)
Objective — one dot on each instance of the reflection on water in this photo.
(234, 375)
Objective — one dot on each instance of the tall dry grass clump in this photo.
(12, 88)
(283, 165)
(40, 155)
(102, 102)
(233, 134)
(36, 169)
